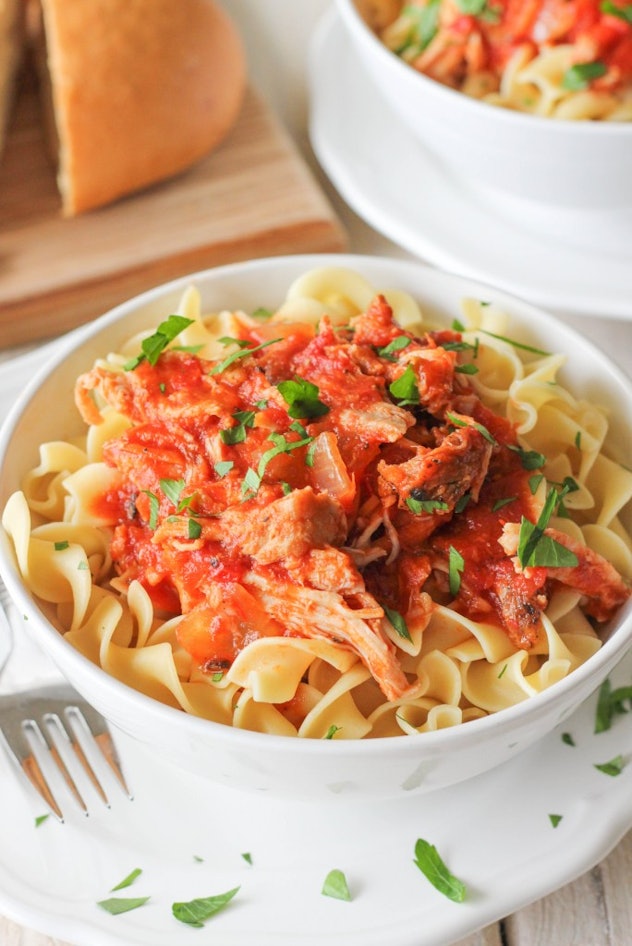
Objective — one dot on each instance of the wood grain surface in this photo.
(254, 196)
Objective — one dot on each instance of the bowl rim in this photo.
(481, 110)
(585, 678)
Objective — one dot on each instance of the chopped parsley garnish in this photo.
(613, 767)
(196, 912)
(331, 732)
(237, 434)
(624, 12)
(61, 546)
(154, 508)
(222, 467)
(398, 622)
(515, 344)
(302, 399)
(247, 856)
(41, 819)
(462, 503)
(582, 74)
(537, 549)
(153, 346)
(116, 905)
(432, 866)
(425, 23)
(252, 479)
(404, 389)
(194, 529)
(534, 483)
(173, 490)
(462, 346)
(456, 564)
(479, 8)
(396, 344)
(242, 352)
(530, 459)
(483, 431)
(503, 502)
(468, 368)
(129, 880)
(336, 886)
(578, 439)
(555, 820)
(502, 672)
(611, 703)
(418, 506)
(567, 739)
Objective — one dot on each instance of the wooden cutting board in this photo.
(254, 196)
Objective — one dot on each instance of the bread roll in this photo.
(139, 90)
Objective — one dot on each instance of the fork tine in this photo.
(86, 719)
(29, 763)
(59, 743)
(50, 736)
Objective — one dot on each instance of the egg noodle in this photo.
(333, 521)
(568, 59)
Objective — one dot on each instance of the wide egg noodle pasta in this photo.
(458, 669)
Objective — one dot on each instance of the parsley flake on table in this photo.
(555, 819)
(129, 880)
(432, 866)
(116, 905)
(611, 703)
(196, 912)
(335, 885)
(613, 767)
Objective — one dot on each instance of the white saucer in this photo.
(393, 184)
(188, 838)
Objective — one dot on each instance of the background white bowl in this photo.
(304, 768)
(534, 167)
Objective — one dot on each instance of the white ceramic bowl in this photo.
(281, 765)
(568, 178)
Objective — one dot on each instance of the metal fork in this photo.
(58, 742)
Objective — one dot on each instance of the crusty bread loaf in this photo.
(11, 45)
(141, 89)
(134, 91)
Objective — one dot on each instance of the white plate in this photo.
(387, 177)
(494, 832)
